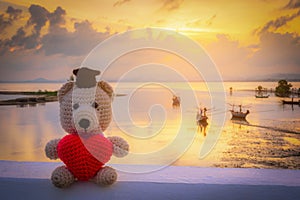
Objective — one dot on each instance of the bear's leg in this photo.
(106, 176)
(62, 177)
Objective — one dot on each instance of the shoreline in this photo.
(33, 100)
(49, 93)
(39, 97)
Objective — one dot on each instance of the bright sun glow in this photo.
(188, 30)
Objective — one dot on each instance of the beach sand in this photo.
(263, 147)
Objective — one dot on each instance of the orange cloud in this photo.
(120, 2)
(170, 5)
(273, 25)
(292, 4)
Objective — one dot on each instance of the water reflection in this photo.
(25, 131)
(30, 105)
(201, 120)
(239, 121)
(202, 127)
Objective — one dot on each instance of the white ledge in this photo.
(169, 174)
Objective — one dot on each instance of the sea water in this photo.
(144, 116)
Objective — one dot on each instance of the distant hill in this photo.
(42, 80)
(289, 77)
(37, 80)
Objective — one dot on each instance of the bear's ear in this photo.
(65, 89)
(107, 88)
(75, 71)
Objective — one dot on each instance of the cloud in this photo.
(210, 20)
(278, 51)
(229, 56)
(275, 53)
(13, 14)
(120, 2)
(4, 23)
(171, 5)
(292, 4)
(273, 25)
(52, 54)
(58, 40)
(148, 65)
(20, 40)
(57, 17)
(25, 65)
(38, 17)
(202, 22)
(79, 42)
(195, 23)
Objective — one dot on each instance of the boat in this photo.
(262, 96)
(261, 92)
(238, 114)
(201, 117)
(291, 102)
(176, 101)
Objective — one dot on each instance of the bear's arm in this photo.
(51, 149)
(120, 146)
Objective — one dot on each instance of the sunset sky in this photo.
(246, 39)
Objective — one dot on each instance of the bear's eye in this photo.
(95, 105)
(75, 106)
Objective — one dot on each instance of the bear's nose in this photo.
(84, 123)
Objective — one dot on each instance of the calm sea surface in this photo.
(144, 116)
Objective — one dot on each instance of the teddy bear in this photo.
(85, 113)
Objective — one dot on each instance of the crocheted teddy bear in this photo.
(85, 112)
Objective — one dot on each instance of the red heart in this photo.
(84, 157)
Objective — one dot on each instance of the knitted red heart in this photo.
(84, 157)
